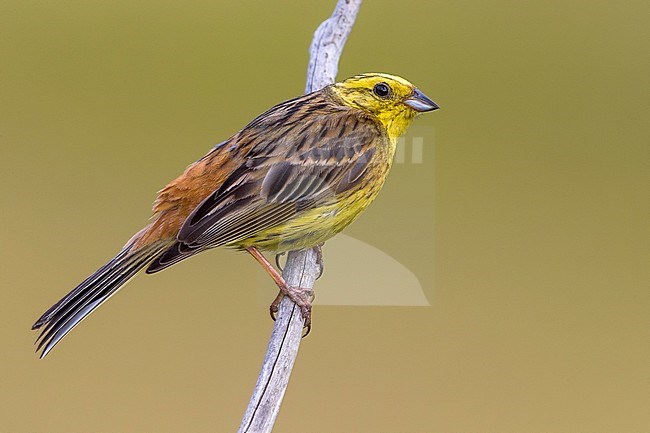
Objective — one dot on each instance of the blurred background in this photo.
(523, 218)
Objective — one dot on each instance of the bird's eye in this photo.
(382, 90)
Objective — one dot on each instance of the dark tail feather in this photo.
(63, 316)
(173, 254)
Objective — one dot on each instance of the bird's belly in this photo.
(313, 226)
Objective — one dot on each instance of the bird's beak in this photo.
(421, 102)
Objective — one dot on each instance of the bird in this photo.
(292, 178)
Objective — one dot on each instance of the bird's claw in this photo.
(302, 297)
(306, 315)
(319, 259)
(277, 261)
(275, 305)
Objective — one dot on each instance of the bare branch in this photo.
(302, 268)
(327, 45)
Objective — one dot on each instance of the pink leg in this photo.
(301, 296)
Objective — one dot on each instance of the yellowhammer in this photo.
(292, 178)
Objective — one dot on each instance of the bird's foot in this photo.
(319, 259)
(278, 256)
(302, 296)
(275, 305)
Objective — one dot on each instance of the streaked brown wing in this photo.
(294, 163)
(281, 178)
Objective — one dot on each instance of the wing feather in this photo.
(298, 159)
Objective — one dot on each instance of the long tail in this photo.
(63, 316)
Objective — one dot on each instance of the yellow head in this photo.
(391, 99)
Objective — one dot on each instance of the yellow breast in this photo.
(316, 225)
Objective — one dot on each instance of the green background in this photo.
(526, 223)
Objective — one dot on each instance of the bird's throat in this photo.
(396, 125)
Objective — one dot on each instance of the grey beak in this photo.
(421, 102)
